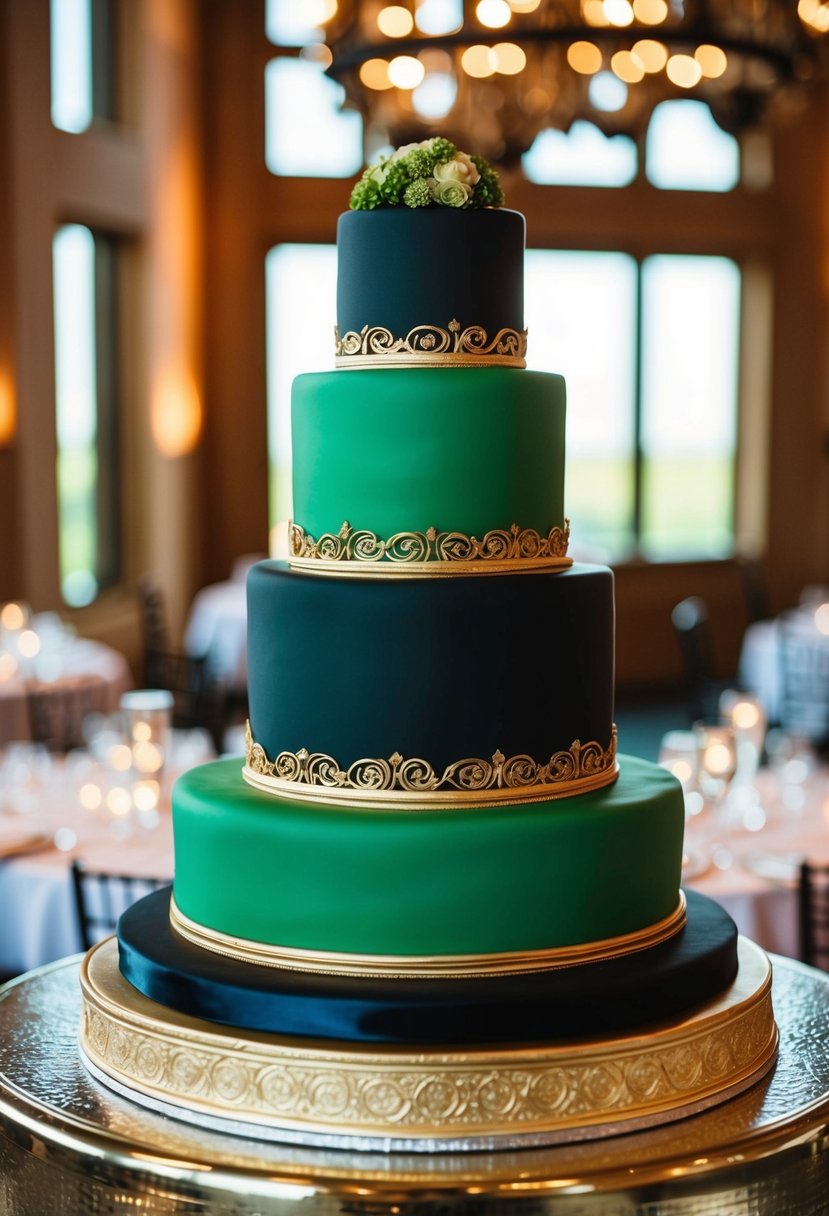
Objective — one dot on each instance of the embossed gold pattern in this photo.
(449, 966)
(501, 550)
(436, 345)
(413, 783)
(317, 1086)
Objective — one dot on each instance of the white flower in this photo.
(450, 193)
(407, 148)
(461, 169)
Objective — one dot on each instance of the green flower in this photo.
(418, 193)
(451, 193)
(488, 192)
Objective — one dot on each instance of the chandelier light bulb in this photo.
(395, 21)
(406, 72)
(815, 13)
(593, 13)
(618, 12)
(478, 61)
(683, 71)
(438, 17)
(712, 60)
(651, 54)
(627, 67)
(321, 11)
(374, 74)
(650, 12)
(524, 6)
(584, 57)
(509, 58)
(495, 14)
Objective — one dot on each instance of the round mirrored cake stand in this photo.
(69, 1144)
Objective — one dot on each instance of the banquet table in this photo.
(756, 880)
(81, 659)
(44, 826)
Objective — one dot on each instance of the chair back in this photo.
(814, 914)
(57, 711)
(692, 630)
(804, 683)
(101, 897)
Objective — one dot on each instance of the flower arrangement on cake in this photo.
(432, 173)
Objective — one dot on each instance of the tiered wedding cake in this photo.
(438, 909)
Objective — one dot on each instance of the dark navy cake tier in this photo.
(442, 670)
(598, 998)
(400, 268)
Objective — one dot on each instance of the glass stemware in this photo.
(716, 768)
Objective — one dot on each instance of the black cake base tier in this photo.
(420, 1096)
(598, 998)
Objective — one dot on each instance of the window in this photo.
(649, 352)
(684, 150)
(85, 409)
(300, 287)
(82, 62)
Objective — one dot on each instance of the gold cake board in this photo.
(395, 1097)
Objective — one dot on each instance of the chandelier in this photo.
(508, 69)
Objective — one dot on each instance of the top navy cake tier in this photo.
(400, 268)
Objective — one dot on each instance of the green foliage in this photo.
(418, 194)
(488, 192)
(406, 178)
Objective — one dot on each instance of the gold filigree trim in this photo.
(430, 345)
(448, 966)
(401, 783)
(499, 551)
(410, 1092)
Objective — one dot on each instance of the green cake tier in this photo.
(472, 880)
(395, 452)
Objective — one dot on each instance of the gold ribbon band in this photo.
(425, 359)
(431, 346)
(449, 966)
(412, 784)
(361, 552)
(452, 1093)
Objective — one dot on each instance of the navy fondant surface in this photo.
(595, 999)
(400, 268)
(437, 669)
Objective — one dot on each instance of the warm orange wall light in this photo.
(176, 413)
(8, 413)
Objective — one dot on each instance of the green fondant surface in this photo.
(401, 450)
(466, 881)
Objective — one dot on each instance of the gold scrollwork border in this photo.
(430, 346)
(322, 1087)
(362, 552)
(400, 783)
(449, 966)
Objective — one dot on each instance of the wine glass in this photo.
(716, 767)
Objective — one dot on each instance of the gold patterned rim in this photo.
(366, 554)
(449, 966)
(327, 1087)
(430, 346)
(401, 783)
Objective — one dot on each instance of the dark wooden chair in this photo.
(814, 914)
(57, 712)
(199, 696)
(101, 897)
(692, 629)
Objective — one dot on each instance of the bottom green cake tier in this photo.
(416, 886)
